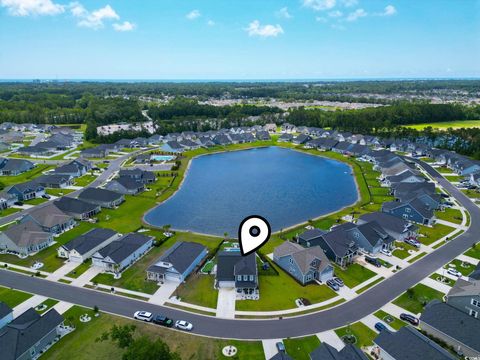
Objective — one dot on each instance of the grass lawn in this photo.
(474, 252)
(134, 278)
(447, 124)
(454, 178)
(397, 324)
(199, 290)
(465, 270)
(452, 215)
(49, 255)
(13, 297)
(80, 269)
(437, 277)
(473, 194)
(363, 334)
(59, 192)
(35, 201)
(445, 170)
(8, 211)
(300, 348)
(417, 297)
(416, 257)
(26, 176)
(368, 286)
(354, 275)
(85, 180)
(49, 303)
(402, 249)
(81, 344)
(279, 292)
(434, 233)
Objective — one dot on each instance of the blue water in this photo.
(284, 186)
(162, 157)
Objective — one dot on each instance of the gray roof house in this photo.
(123, 252)
(104, 198)
(50, 218)
(25, 238)
(328, 352)
(304, 264)
(75, 168)
(235, 270)
(338, 246)
(465, 296)
(79, 209)
(310, 237)
(55, 181)
(6, 314)
(125, 185)
(145, 177)
(475, 275)
(28, 336)
(26, 191)
(453, 326)
(408, 343)
(84, 246)
(177, 262)
(398, 228)
(414, 210)
(408, 176)
(13, 167)
(371, 237)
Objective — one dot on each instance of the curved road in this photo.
(349, 312)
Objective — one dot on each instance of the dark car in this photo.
(380, 327)
(280, 347)
(338, 281)
(445, 196)
(18, 203)
(409, 318)
(373, 261)
(162, 320)
(46, 196)
(333, 285)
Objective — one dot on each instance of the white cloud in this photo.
(95, 19)
(192, 15)
(255, 29)
(211, 23)
(335, 14)
(321, 19)
(77, 9)
(319, 5)
(283, 13)
(125, 26)
(338, 27)
(357, 14)
(349, 3)
(389, 10)
(32, 7)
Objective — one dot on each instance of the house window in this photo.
(291, 261)
(473, 313)
(245, 277)
(475, 302)
(251, 277)
(239, 277)
(309, 277)
(407, 210)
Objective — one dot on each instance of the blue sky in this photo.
(233, 39)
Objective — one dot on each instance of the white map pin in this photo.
(253, 233)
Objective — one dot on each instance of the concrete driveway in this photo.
(226, 303)
(164, 292)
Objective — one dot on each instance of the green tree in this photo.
(145, 349)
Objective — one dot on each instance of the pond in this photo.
(285, 186)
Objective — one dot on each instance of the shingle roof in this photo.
(303, 256)
(465, 288)
(337, 239)
(226, 265)
(122, 248)
(26, 234)
(181, 256)
(328, 352)
(49, 216)
(4, 310)
(453, 322)
(311, 234)
(418, 345)
(98, 194)
(88, 241)
(391, 224)
(74, 206)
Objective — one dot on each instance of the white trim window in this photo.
(475, 302)
(473, 313)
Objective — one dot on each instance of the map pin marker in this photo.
(253, 233)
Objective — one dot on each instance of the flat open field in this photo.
(448, 124)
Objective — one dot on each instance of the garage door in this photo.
(76, 259)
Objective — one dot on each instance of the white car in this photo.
(454, 272)
(183, 325)
(143, 315)
(386, 252)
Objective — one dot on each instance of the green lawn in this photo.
(35, 201)
(474, 251)
(434, 233)
(447, 124)
(362, 333)
(49, 303)
(397, 324)
(59, 192)
(354, 274)
(452, 215)
(80, 269)
(134, 278)
(8, 211)
(199, 290)
(417, 297)
(465, 270)
(416, 257)
(474, 194)
(85, 180)
(368, 286)
(402, 249)
(26, 176)
(300, 348)
(13, 297)
(81, 344)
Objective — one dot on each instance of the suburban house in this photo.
(142, 176)
(301, 139)
(310, 237)
(408, 343)
(75, 168)
(285, 137)
(465, 296)
(304, 264)
(398, 228)
(13, 167)
(55, 181)
(125, 185)
(338, 246)
(431, 200)
(328, 352)
(414, 210)
(79, 209)
(177, 262)
(84, 246)
(6, 314)
(121, 253)
(371, 237)
(406, 177)
(453, 325)
(30, 334)
(25, 238)
(475, 275)
(7, 200)
(104, 198)
(50, 218)
(26, 191)
(237, 271)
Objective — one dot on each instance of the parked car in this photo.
(183, 325)
(143, 315)
(454, 272)
(380, 327)
(373, 261)
(18, 203)
(445, 196)
(409, 318)
(338, 281)
(46, 196)
(413, 242)
(163, 320)
(386, 252)
(333, 285)
(280, 347)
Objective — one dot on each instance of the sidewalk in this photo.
(86, 276)
(437, 285)
(395, 310)
(332, 339)
(27, 304)
(468, 259)
(164, 292)
(270, 347)
(63, 270)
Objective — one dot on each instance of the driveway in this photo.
(226, 303)
(164, 292)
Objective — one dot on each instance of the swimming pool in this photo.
(162, 157)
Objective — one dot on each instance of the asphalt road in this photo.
(349, 312)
